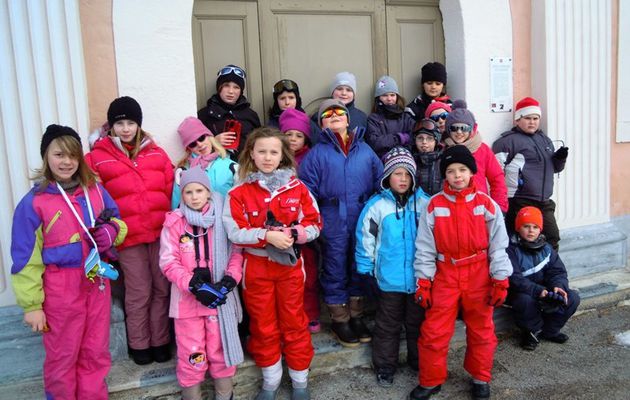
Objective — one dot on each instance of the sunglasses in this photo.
(438, 117)
(197, 142)
(463, 128)
(285, 85)
(340, 112)
(232, 70)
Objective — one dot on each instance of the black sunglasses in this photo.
(198, 141)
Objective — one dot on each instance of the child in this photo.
(342, 173)
(388, 125)
(139, 176)
(54, 240)
(539, 289)
(296, 125)
(433, 80)
(464, 231)
(427, 154)
(203, 150)
(270, 214)
(529, 160)
(461, 129)
(385, 249)
(203, 268)
(229, 104)
(438, 111)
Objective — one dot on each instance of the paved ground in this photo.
(589, 366)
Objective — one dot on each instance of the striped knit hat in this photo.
(396, 158)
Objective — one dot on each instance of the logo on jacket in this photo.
(290, 202)
(185, 238)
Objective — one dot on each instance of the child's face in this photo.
(126, 130)
(400, 180)
(460, 132)
(439, 117)
(195, 195)
(230, 92)
(425, 143)
(62, 166)
(336, 123)
(287, 100)
(389, 99)
(267, 154)
(458, 176)
(343, 93)
(433, 88)
(296, 139)
(529, 123)
(202, 146)
(529, 232)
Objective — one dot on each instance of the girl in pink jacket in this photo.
(203, 268)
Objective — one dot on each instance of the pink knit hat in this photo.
(295, 119)
(191, 129)
(434, 106)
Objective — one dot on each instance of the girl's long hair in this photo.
(71, 147)
(140, 135)
(216, 146)
(245, 161)
(400, 102)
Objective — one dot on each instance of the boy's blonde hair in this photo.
(216, 146)
(245, 161)
(71, 147)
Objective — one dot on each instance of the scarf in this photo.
(198, 218)
(389, 111)
(203, 161)
(472, 143)
(272, 181)
(300, 154)
(69, 187)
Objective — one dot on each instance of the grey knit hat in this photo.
(396, 158)
(331, 103)
(385, 84)
(194, 175)
(459, 115)
(344, 79)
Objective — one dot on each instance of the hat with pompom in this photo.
(460, 115)
(527, 106)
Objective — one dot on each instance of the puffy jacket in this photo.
(528, 162)
(383, 134)
(177, 261)
(489, 173)
(341, 184)
(46, 233)
(386, 240)
(428, 171)
(536, 270)
(221, 174)
(216, 112)
(418, 106)
(462, 226)
(141, 187)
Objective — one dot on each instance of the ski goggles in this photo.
(427, 126)
(340, 112)
(438, 117)
(464, 128)
(285, 85)
(232, 70)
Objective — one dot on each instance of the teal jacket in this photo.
(221, 173)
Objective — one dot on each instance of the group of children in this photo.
(193, 234)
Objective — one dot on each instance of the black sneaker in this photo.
(161, 353)
(557, 338)
(422, 393)
(344, 333)
(384, 377)
(480, 391)
(142, 356)
(360, 330)
(529, 341)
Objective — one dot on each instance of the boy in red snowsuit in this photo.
(460, 263)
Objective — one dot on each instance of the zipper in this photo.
(52, 221)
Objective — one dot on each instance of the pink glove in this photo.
(423, 293)
(104, 235)
(498, 292)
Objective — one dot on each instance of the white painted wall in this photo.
(623, 77)
(154, 61)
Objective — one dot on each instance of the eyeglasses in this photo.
(198, 141)
(425, 139)
(284, 85)
(438, 117)
(232, 69)
(463, 128)
(340, 112)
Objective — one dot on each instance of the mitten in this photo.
(226, 285)
(423, 293)
(562, 153)
(200, 276)
(498, 292)
(104, 235)
(403, 138)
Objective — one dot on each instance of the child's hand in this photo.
(226, 138)
(279, 239)
(423, 293)
(104, 235)
(563, 293)
(498, 292)
(36, 320)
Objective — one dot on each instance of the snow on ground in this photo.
(623, 338)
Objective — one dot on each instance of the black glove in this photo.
(211, 295)
(551, 303)
(225, 286)
(200, 276)
(562, 153)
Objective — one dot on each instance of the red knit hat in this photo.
(529, 215)
(434, 106)
(527, 106)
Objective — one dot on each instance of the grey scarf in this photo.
(197, 218)
(273, 180)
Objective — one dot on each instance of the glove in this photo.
(403, 138)
(423, 293)
(200, 276)
(498, 292)
(211, 294)
(104, 235)
(562, 153)
(227, 284)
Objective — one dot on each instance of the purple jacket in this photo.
(383, 134)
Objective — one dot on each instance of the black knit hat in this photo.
(124, 108)
(231, 73)
(434, 71)
(53, 132)
(457, 154)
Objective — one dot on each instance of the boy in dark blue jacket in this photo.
(539, 289)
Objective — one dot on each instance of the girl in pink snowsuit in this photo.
(204, 268)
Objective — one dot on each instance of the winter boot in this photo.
(161, 353)
(356, 320)
(529, 340)
(192, 392)
(223, 389)
(423, 393)
(340, 315)
(142, 356)
(300, 394)
(266, 394)
(480, 391)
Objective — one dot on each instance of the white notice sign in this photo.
(501, 84)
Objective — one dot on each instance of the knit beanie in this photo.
(191, 129)
(53, 132)
(331, 103)
(457, 154)
(460, 115)
(194, 175)
(526, 106)
(231, 73)
(396, 158)
(295, 119)
(344, 79)
(428, 127)
(124, 108)
(385, 84)
(529, 215)
(435, 106)
(434, 71)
